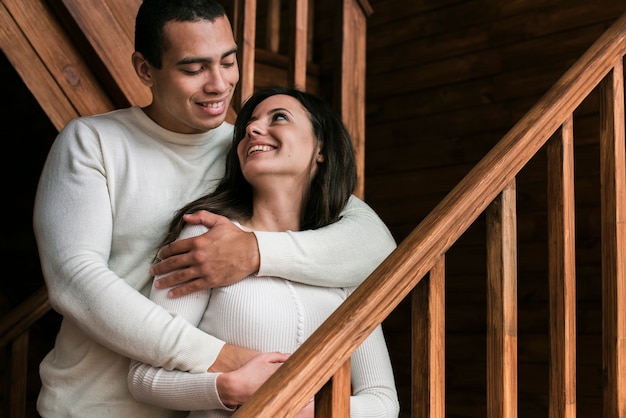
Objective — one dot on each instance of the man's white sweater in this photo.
(107, 192)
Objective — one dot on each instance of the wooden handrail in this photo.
(333, 343)
(14, 332)
(23, 316)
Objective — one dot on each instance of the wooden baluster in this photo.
(272, 38)
(19, 375)
(428, 345)
(245, 36)
(502, 305)
(562, 273)
(613, 190)
(333, 400)
(298, 43)
(350, 77)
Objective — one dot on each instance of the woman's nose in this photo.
(255, 128)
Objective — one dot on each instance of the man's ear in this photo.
(142, 68)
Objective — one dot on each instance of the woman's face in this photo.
(279, 143)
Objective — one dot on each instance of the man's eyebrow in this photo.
(229, 52)
(195, 60)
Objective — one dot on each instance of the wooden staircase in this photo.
(55, 68)
(418, 265)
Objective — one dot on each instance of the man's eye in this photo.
(228, 64)
(192, 71)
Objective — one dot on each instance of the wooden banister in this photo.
(14, 332)
(23, 316)
(332, 344)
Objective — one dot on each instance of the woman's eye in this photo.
(279, 116)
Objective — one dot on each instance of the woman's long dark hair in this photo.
(331, 186)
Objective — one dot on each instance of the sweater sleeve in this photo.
(374, 392)
(325, 256)
(173, 389)
(73, 226)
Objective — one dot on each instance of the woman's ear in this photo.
(319, 158)
(142, 68)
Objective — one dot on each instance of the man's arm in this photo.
(322, 257)
(73, 226)
(173, 389)
(328, 256)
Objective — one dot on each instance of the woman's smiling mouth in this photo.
(257, 148)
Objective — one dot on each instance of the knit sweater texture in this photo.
(109, 187)
(264, 314)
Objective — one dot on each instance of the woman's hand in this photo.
(308, 411)
(236, 387)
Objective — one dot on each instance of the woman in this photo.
(291, 168)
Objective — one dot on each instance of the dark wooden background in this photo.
(446, 79)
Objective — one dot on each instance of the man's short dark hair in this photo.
(154, 14)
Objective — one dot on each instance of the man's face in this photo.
(193, 89)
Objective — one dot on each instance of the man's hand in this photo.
(236, 387)
(222, 256)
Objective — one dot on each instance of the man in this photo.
(110, 186)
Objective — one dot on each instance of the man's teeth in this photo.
(256, 148)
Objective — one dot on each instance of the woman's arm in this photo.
(373, 385)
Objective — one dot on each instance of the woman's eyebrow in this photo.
(279, 109)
